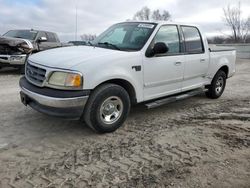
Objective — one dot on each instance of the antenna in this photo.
(76, 23)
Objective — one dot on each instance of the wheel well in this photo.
(127, 86)
(225, 69)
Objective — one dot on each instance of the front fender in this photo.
(100, 75)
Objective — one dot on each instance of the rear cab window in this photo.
(193, 40)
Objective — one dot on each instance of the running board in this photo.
(170, 99)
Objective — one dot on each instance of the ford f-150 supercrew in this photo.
(129, 63)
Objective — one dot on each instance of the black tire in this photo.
(109, 99)
(217, 86)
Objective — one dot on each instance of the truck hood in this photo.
(11, 46)
(67, 57)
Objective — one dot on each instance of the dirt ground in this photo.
(197, 142)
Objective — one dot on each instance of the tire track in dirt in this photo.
(132, 157)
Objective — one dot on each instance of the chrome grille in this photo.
(35, 74)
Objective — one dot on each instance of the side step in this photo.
(174, 98)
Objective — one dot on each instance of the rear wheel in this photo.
(217, 86)
(107, 108)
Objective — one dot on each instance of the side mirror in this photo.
(159, 48)
(42, 39)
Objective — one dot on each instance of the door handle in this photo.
(202, 60)
(177, 63)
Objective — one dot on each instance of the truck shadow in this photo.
(9, 71)
(58, 125)
(34, 125)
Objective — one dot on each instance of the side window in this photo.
(42, 34)
(170, 36)
(193, 41)
(51, 37)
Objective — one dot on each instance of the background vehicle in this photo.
(131, 62)
(17, 45)
(77, 43)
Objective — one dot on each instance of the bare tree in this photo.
(166, 15)
(145, 14)
(240, 27)
(217, 40)
(156, 15)
(87, 37)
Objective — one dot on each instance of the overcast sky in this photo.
(94, 16)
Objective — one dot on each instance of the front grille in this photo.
(35, 74)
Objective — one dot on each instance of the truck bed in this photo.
(214, 48)
(220, 55)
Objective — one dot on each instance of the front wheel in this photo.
(107, 108)
(217, 86)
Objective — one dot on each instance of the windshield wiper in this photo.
(90, 43)
(110, 44)
(18, 37)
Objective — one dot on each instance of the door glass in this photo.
(42, 34)
(51, 37)
(170, 36)
(193, 42)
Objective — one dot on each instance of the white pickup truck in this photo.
(129, 63)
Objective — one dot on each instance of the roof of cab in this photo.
(34, 30)
(160, 22)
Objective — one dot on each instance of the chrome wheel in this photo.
(111, 110)
(219, 85)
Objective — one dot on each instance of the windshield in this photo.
(23, 34)
(129, 36)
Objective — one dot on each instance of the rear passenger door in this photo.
(196, 58)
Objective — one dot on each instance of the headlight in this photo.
(66, 80)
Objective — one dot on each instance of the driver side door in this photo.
(163, 73)
(42, 45)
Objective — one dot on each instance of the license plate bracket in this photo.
(24, 98)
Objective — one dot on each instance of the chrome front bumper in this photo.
(59, 103)
(56, 102)
(13, 59)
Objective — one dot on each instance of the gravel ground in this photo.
(197, 142)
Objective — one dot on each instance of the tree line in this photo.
(146, 14)
(233, 19)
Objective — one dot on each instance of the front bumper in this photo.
(12, 60)
(60, 103)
